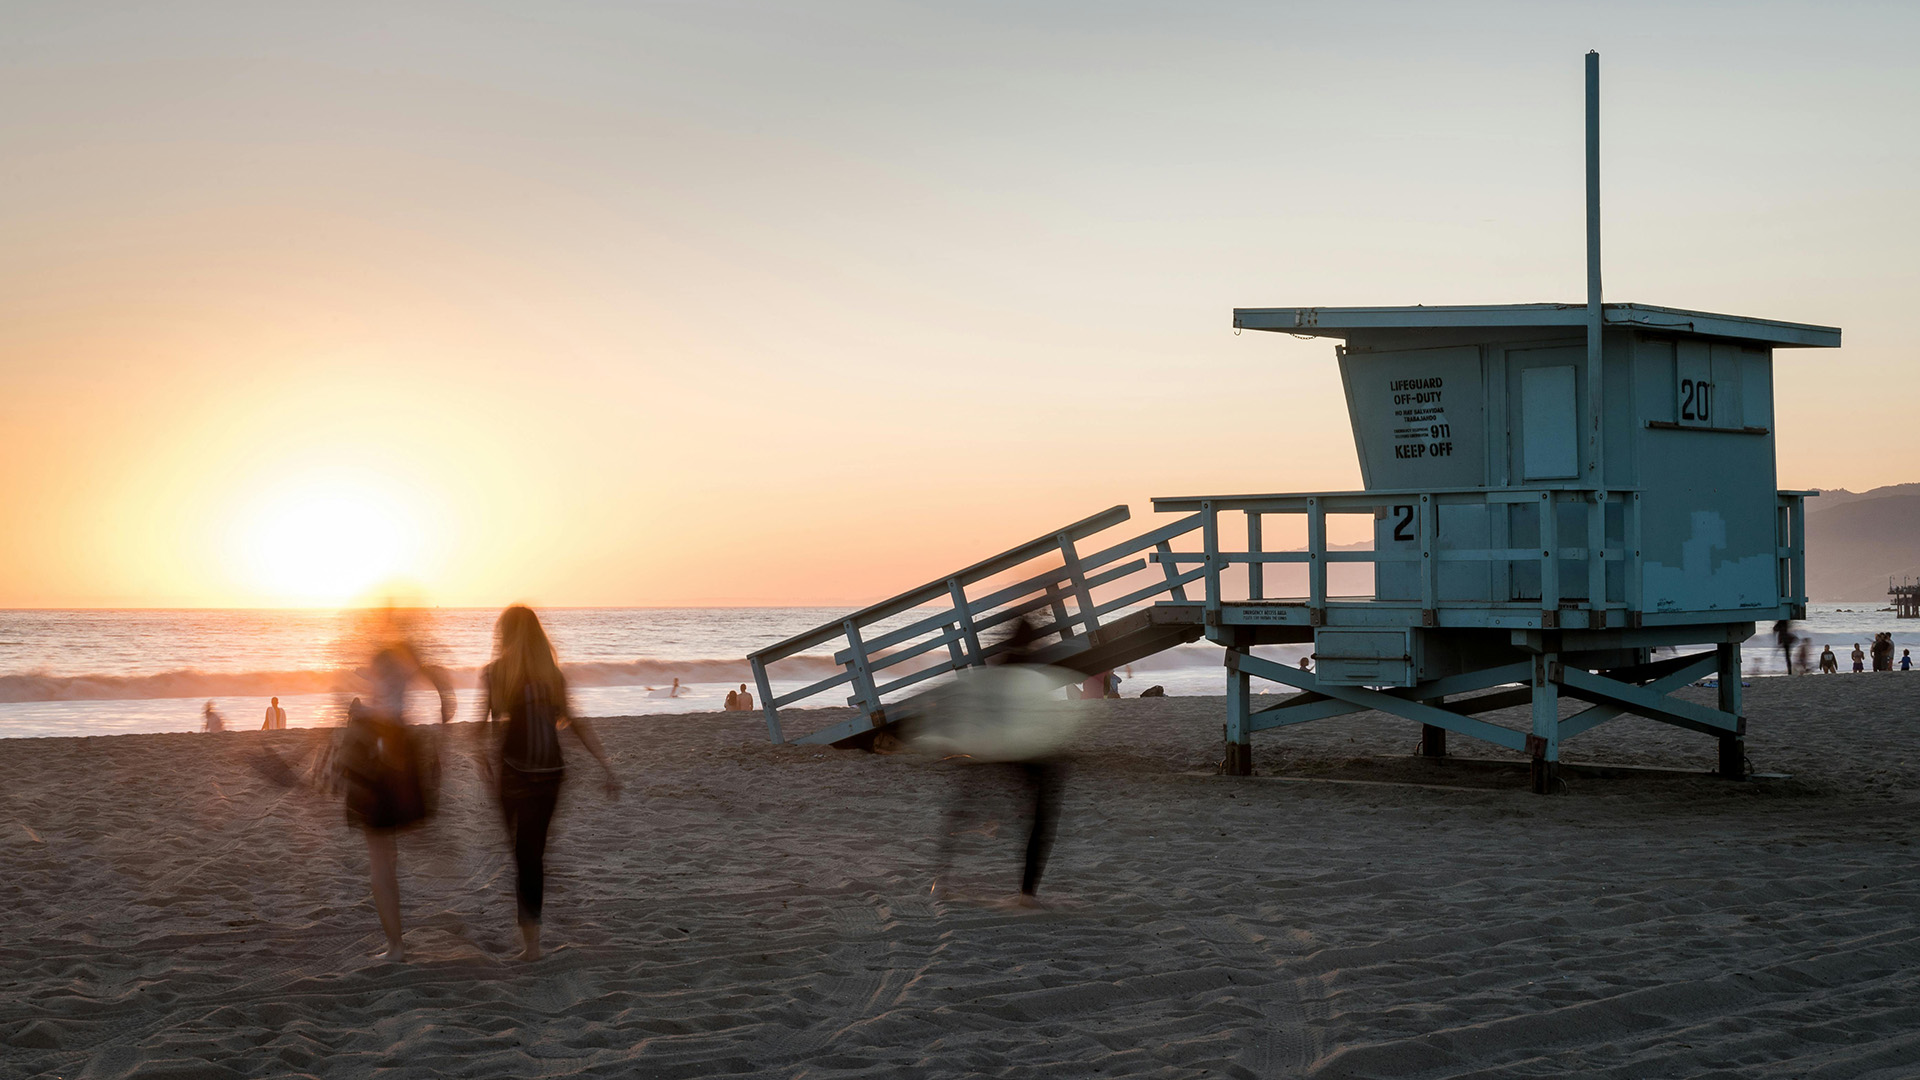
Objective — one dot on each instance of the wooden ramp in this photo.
(1102, 611)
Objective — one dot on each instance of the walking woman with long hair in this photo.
(523, 685)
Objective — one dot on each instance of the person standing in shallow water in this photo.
(524, 686)
(1829, 663)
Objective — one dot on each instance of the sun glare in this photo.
(325, 541)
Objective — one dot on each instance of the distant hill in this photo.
(1856, 540)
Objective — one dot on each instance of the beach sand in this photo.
(763, 911)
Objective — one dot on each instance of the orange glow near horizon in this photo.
(638, 305)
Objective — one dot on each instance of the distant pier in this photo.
(1906, 599)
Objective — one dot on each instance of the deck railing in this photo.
(1790, 523)
(953, 634)
(1417, 514)
(1587, 557)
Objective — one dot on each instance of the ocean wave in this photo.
(42, 686)
(190, 683)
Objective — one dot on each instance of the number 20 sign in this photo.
(1696, 401)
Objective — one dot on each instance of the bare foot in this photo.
(394, 953)
(530, 940)
(1025, 901)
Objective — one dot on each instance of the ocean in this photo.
(103, 672)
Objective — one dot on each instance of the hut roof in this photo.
(1341, 321)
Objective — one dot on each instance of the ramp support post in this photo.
(1239, 715)
(1733, 747)
(1433, 740)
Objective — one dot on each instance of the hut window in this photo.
(1549, 424)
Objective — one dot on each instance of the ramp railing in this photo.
(947, 627)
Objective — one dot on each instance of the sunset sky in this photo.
(723, 303)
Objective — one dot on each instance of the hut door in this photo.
(1543, 425)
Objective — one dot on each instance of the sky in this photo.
(738, 303)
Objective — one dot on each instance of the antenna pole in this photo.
(1596, 473)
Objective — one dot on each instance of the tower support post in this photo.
(1733, 747)
(1544, 744)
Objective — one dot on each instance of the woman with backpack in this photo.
(389, 771)
(524, 687)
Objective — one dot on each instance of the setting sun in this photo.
(324, 540)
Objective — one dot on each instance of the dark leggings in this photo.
(528, 800)
(1043, 777)
(1043, 781)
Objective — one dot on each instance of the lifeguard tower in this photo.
(1566, 501)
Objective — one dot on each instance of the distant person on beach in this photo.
(1883, 651)
(1306, 663)
(1093, 688)
(1784, 635)
(276, 717)
(745, 699)
(1005, 719)
(733, 702)
(524, 686)
(389, 772)
(1906, 659)
(1829, 663)
(211, 720)
(1859, 659)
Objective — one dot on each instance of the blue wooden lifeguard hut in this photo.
(1558, 493)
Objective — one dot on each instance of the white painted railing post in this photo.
(1596, 559)
(1174, 586)
(1210, 540)
(1429, 564)
(965, 616)
(1256, 570)
(1316, 563)
(1549, 560)
(863, 688)
(1082, 594)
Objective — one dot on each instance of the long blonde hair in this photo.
(522, 655)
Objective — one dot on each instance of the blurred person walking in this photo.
(1784, 635)
(389, 772)
(211, 720)
(1007, 720)
(524, 686)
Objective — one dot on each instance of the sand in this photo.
(750, 910)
